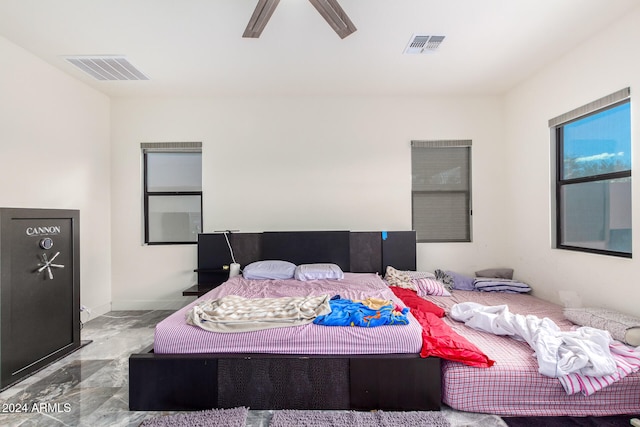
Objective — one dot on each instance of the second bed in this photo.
(513, 386)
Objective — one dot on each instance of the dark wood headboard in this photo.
(358, 252)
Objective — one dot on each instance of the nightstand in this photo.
(197, 290)
(208, 279)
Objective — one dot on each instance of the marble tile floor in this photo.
(90, 386)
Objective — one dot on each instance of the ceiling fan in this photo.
(329, 9)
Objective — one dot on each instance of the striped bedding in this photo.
(513, 386)
(174, 336)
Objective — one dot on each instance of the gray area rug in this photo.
(289, 418)
(235, 417)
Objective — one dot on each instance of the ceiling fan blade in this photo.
(263, 11)
(335, 16)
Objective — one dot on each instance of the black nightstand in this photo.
(197, 290)
(214, 277)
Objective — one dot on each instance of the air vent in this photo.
(107, 67)
(422, 43)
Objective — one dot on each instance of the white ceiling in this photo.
(195, 48)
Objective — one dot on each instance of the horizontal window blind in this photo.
(148, 147)
(441, 190)
(591, 107)
(441, 217)
(172, 185)
(441, 143)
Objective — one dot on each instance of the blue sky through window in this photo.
(599, 143)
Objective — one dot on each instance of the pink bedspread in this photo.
(513, 385)
(173, 335)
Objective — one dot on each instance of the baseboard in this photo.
(88, 313)
(100, 310)
(173, 304)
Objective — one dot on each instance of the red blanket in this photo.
(438, 339)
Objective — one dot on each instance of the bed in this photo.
(513, 386)
(174, 336)
(189, 369)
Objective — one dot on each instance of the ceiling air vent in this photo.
(422, 43)
(107, 67)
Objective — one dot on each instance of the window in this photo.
(441, 190)
(593, 177)
(172, 192)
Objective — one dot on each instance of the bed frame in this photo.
(275, 381)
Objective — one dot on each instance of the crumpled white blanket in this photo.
(584, 351)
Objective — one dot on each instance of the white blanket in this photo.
(233, 313)
(585, 360)
(584, 351)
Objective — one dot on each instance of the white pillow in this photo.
(318, 271)
(270, 269)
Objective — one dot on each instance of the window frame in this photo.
(439, 144)
(148, 148)
(597, 107)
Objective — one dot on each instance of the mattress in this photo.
(513, 385)
(174, 336)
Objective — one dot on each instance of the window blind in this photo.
(172, 187)
(150, 147)
(440, 143)
(591, 107)
(441, 190)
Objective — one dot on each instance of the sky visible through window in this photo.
(599, 143)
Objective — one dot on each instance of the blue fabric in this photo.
(345, 312)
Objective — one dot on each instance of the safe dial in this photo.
(46, 243)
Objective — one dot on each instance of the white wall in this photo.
(297, 163)
(597, 68)
(293, 163)
(54, 153)
(285, 163)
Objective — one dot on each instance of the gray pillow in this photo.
(498, 273)
(621, 326)
(461, 282)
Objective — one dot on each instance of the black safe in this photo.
(39, 289)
